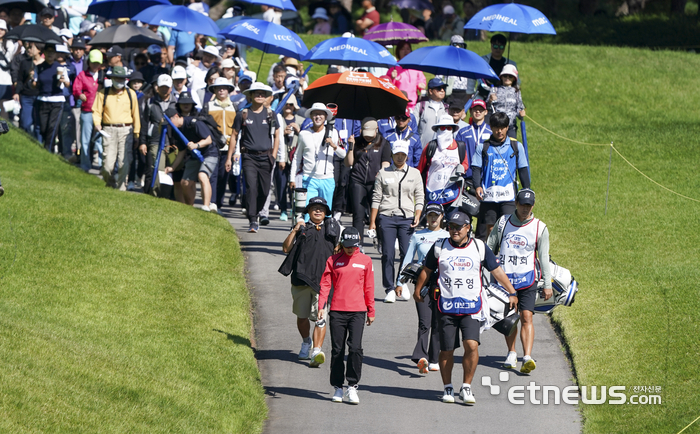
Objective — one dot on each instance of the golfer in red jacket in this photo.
(351, 274)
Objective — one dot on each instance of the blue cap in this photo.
(434, 83)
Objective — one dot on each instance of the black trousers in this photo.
(341, 173)
(346, 327)
(258, 176)
(282, 186)
(49, 116)
(428, 342)
(219, 180)
(391, 228)
(361, 202)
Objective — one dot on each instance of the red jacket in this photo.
(352, 278)
(85, 84)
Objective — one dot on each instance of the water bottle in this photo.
(236, 169)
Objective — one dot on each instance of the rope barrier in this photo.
(679, 432)
(618, 153)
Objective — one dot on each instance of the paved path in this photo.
(393, 396)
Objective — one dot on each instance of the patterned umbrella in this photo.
(392, 33)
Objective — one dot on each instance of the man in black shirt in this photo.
(258, 145)
(495, 59)
(199, 139)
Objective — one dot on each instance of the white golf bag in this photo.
(500, 317)
(564, 289)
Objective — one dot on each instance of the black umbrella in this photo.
(34, 33)
(33, 6)
(126, 35)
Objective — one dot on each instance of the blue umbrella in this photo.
(279, 4)
(350, 52)
(225, 22)
(266, 37)
(121, 8)
(179, 18)
(511, 17)
(448, 60)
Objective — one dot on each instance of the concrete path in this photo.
(394, 398)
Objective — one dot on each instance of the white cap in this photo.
(510, 70)
(400, 146)
(228, 63)
(3, 24)
(65, 33)
(259, 86)
(448, 10)
(213, 51)
(165, 80)
(178, 73)
(61, 48)
(250, 74)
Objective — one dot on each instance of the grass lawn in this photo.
(121, 313)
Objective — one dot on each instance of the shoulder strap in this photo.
(501, 227)
(514, 146)
(430, 150)
(462, 150)
(438, 249)
(480, 248)
(421, 109)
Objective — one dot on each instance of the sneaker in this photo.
(317, 358)
(433, 367)
(213, 207)
(232, 200)
(338, 395)
(405, 294)
(253, 228)
(423, 366)
(351, 395)
(304, 352)
(130, 186)
(283, 216)
(264, 221)
(511, 360)
(528, 366)
(449, 395)
(276, 207)
(205, 208)
(390, 297)
(466, 395)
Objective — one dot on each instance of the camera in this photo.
(4, 127)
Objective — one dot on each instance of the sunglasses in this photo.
(459, 45)
(401, 118)
(445, 128)
(498, 47)
(454, 227)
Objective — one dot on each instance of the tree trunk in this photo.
(678, 7)
(587, 7)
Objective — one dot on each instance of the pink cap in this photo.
(478, 102)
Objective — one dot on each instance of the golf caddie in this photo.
(460, 298)
(308, 246)
(521, 242)
(351, 274)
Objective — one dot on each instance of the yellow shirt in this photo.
(117, 110)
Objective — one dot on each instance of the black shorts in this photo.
(526, 298)
(448, 326)
(489, 212)
(177, 175)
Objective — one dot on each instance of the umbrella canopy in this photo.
(418, 5)
(33, 6)
(179, 18)
(356, 94)
(511, 17)
(267, 37)
(225, 22)
(350, 52)
(392, 33)
(279, 4)
(126, 35)
(34, 33)
(121, 8)
(448, 60)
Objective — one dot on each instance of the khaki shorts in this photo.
(305, 304)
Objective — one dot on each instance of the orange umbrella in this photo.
(358, 95)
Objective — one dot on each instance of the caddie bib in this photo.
(438, 186)
(459, 278)
(499, 173)
(517, 253)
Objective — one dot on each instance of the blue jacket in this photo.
(415, 148)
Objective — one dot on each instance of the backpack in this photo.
(216, 136)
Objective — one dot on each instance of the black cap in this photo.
(459, 218)
(434, 207)
(185, 98)
(47, 11)
(318, 200)
(350, 237)
(526, 197)
(115, 50)
(456, 103)
(78, 43)
(136, 75)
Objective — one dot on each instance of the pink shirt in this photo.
(408, 81)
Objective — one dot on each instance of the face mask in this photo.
(444, 139)
(118, 84)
